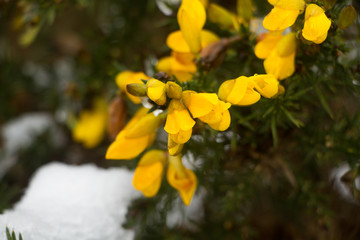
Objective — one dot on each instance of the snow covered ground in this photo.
(66, 202)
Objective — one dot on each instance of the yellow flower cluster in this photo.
(181, 109)
(187, 42)
(279, 51)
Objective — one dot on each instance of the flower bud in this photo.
(136, 89)
(182, 179)
(173, 90)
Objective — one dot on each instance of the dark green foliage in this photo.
(12, 235)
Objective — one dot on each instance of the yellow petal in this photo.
(148, 173)
(199, 104)
(146, 125)
(208, 37)
(264, 47)
(280, 67)
(224, 123)
(280, 19)
(191, 18)
(288, 4)
(164, 65)
(181, 137)
(173, 147)
(238, 90)
(216, 114)
(155, 90)
(266, 84)
(178, 118)
(316, 24)
(220, 16)
(185, 182)
(287, 45)
(250, 97)
(127, 148)
(176, 42)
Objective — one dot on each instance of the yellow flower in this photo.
(283, 15)
(128, 77)
(182, 179)
(191, 18)
(208, 108)
(149, 171)
(155, 90)
(179, 123)
(316, 24)
(91, 125)
(241, 91)
(137, 135)
(172, 66)
(177, 42)
(279, 54)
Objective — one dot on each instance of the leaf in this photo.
(274, 130)
(347, 17)
(323, 102)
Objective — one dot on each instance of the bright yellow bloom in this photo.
(316, 24)
(266, 84)
(283, 15)
(155, 90)
(128, 77)
(279, 54)
(137, 135)
(149, 171)
(208, 108)
(241, 91)
(176, 41)
(182, 179)
(91, 125)
(191, 18)
(179, 123)
(172, 66)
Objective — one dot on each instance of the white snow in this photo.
(66, 202)
(18, 134)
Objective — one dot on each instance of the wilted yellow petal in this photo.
(280, 19)
(182, 179)
(191, 18)
(173, 147)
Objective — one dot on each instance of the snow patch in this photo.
(66, 202)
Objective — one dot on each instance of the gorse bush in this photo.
(250, 105)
